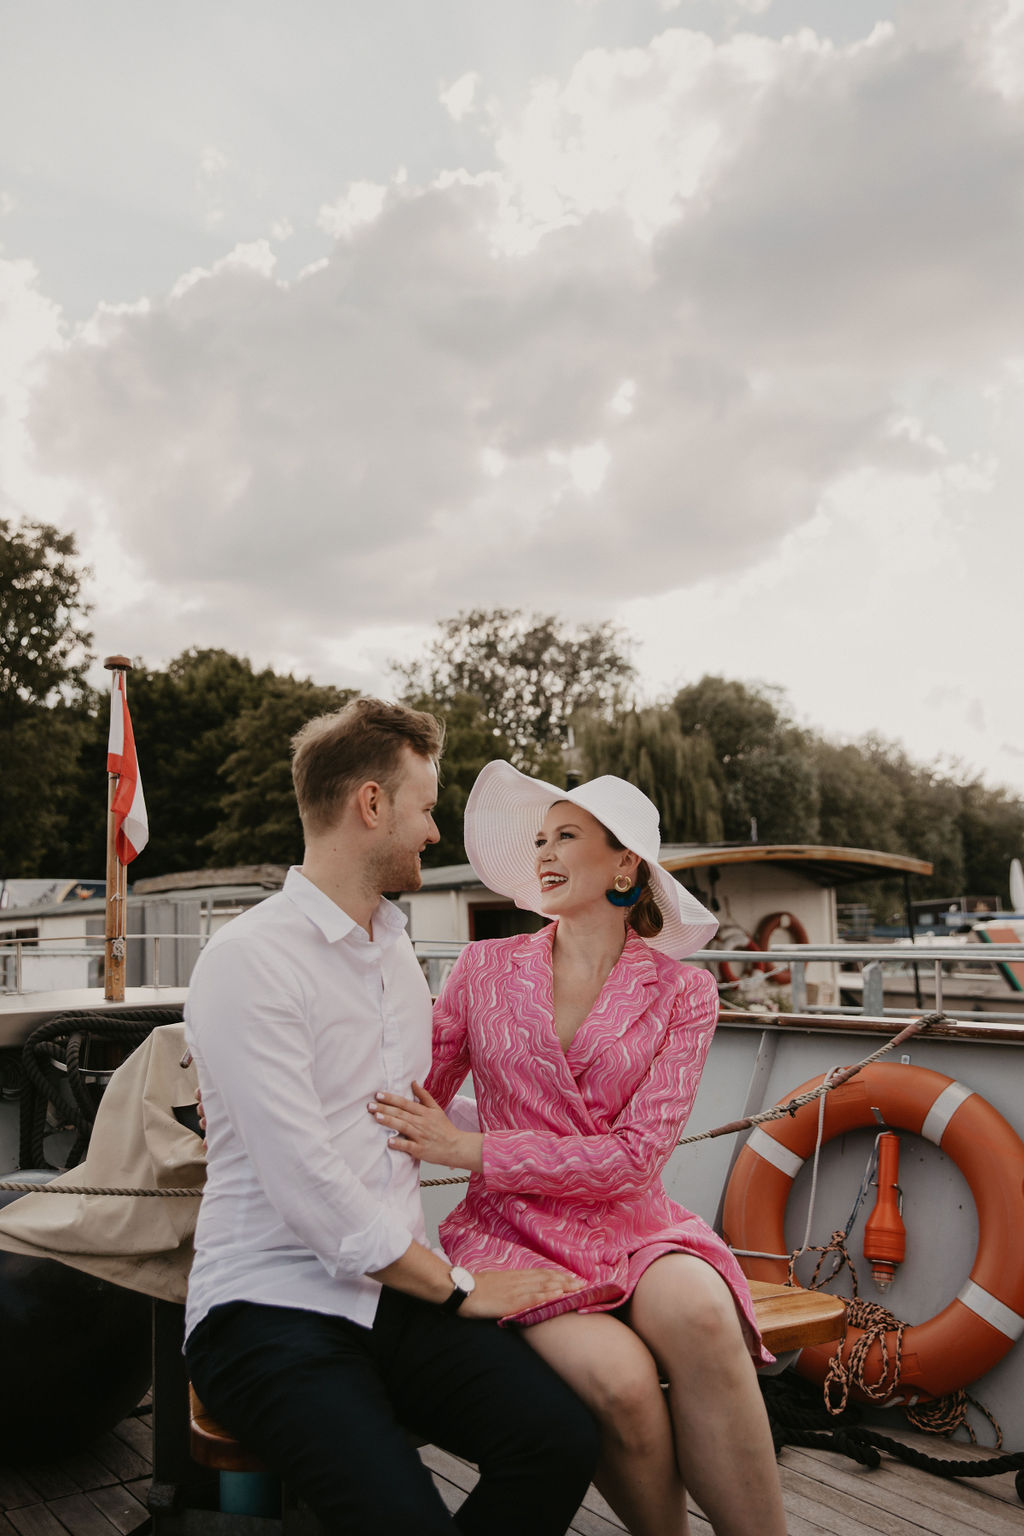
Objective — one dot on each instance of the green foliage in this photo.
(679, 772)
(470, 742)
(214, 738)
(766, 770)
(531, 674)
(43, 695)
(257, 820)
(44, 646)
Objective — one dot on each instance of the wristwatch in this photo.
(462, 1283)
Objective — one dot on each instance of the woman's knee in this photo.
(628, 1401)
(694, 1314)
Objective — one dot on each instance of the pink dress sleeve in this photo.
(450, 1057)
(626, 1160)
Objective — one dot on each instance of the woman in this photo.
(586, 1042)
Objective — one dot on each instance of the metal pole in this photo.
(910, 932)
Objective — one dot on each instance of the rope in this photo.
(795, 1415)
(779, 1111)
(942, 1416)
(88, 1189)
(60, 1040)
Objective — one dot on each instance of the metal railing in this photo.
(437, 957)
(89, 947)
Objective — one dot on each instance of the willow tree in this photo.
(650, 749)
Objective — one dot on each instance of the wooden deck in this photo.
(829, 1495)
(102, 1492)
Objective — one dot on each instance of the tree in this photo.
(678, 772)
(531, 674)
(44, 646)
(257, 819)
(182, 716)
(44, 699)
(765, 761)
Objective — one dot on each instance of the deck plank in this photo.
(124, 1511)
(888, 1493)
(79, 1515)
(35, 1520)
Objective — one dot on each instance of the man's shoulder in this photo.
(272, 913)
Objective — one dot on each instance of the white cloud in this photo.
(359, 204)
(459, 98)
(725, 338)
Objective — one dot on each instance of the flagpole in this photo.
(117, 880)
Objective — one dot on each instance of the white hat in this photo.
(503, 816)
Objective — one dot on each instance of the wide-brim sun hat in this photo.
(504, 813)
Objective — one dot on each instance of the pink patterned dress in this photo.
(575, 1141)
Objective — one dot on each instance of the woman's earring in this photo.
(624, 894)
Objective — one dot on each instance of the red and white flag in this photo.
(129, 804)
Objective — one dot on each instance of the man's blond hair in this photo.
(365, 741)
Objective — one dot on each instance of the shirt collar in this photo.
(333, 922)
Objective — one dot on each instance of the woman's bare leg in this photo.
(685, 1314)
(613, 1371)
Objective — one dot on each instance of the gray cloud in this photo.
(385, 439)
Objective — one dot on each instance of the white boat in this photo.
(758, 1059)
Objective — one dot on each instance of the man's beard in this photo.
(396, 870)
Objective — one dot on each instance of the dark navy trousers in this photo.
(325, 1402)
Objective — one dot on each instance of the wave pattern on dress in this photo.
(576, 1142)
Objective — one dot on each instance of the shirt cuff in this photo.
(373, 1248)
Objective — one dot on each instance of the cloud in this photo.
(459, 98)
(704, 294)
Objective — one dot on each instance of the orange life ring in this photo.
(762, 938)
(981, 1324)
(729, 973)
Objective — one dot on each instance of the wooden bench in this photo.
(789, 1319)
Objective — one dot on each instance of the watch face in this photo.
(463, 1279)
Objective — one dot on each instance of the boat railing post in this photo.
(798, 985)
(156, 959)
(434, 974)
(17, 965)
(873, 1000)
(938, 986)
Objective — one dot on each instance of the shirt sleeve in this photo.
(626, 1160)
(450, 1057)
(247, 1017)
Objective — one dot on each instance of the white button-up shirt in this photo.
(296, 1017)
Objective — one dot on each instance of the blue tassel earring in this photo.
(624, 894)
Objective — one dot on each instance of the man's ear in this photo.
(369, 803)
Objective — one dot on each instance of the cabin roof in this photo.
(824, 864)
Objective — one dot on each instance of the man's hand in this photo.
(424, 1131)
(499, 1292)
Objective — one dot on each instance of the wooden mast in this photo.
(117, 882)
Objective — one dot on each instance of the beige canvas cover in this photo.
(141, 1242)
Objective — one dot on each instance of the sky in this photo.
(321, 321)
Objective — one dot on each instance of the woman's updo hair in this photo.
(645, 916)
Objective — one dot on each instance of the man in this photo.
(319, 1322)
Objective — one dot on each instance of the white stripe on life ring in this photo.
(943, 1110)
(992, 1310)
(774, 1152)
